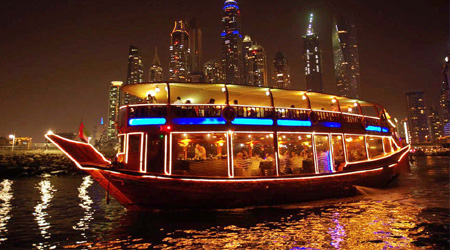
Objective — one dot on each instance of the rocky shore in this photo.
(36, 163)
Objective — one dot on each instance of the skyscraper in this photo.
(346, 60)
(195, 46)
(312, 59)
(257, 66)
(135, 74)
(417, 117)
(231, 43)
(179, 53)
(435, 124)
(281, 74)
(444, 100)
(113, 108)
(212, 71)
(247, 76)
(155, 73)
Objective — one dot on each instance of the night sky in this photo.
(59, 57)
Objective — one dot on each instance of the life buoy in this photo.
(313, 117)
(229, 113)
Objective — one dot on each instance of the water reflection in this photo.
(6, 196)
(86, 204)
(40, 213)
(337, 233)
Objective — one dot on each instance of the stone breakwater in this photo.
(31, 164)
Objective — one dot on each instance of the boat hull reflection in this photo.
(141, 192)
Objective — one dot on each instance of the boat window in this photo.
(121, 144)
(155, 153)
(323, 154)
(387, 145)
(338, 152)
(199, 154)
(356, 150)
(134, 144)
(253, 154)
(134, 152)
(296, 154)
(375, 146)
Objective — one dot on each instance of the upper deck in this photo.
(243, 106)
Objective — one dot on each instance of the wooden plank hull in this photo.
(138, 192)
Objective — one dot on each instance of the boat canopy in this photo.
(201, 93)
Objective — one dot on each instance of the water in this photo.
(70, 212)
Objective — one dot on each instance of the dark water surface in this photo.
(70, 212)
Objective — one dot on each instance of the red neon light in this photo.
(70, 157)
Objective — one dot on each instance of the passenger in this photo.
(200, 152)
(292, 113)
(151, 99)
(190, 112)
(244, 153)
(252, 113)
(333, 107)
(178, 101)
(211, 109)
(323, 161)
(239, 110)
(285, 163)
(241, 165)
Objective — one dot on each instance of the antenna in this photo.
(310, 30)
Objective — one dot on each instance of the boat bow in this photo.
(82, 154)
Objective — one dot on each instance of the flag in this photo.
(83, 134)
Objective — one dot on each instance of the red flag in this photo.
(82, 133)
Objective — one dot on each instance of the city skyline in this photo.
(374, 69)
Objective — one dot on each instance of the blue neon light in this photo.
(331, 124)
(223, 33)
(146, 121)
(199, 121)
(230, 6)
(252, 121)
(285, 122)
(374, 128)
(385, 130)
(235, 32)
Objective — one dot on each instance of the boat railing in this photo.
(215, 110)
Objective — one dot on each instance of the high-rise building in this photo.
(435, 124)
(417, 117)
(135, 74)
(281, 74)
(179, 53)
(346, 60)
(155, 73)
(312, 59)
(444, 100)
(113, 108)
(231, 43)
(212, 71)
(247, 75)
(195, 46)
(258, 66)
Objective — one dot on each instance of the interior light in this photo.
(157, 89)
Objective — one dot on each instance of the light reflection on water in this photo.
(6, 196)
(86, 204)
(41, 215)
(413, 213)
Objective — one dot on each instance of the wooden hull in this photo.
(137, 192)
